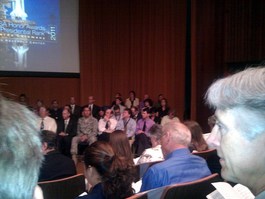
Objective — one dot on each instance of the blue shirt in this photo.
(180, 166)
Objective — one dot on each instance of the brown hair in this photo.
(117, 175)
(120, 144)
(197, 141)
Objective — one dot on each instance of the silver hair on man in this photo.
(20, 151)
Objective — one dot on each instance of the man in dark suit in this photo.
(66, 130)
(94, 108)
(55, 165)
(75, 109)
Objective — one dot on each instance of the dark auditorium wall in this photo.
(46, 89)
(133, 45)
(141, 45)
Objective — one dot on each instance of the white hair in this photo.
(20, 151)
(244, 92)
(179, 132)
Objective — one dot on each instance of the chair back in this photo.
(141, 195)
(65, 188)
(206, 154)
(198, 189)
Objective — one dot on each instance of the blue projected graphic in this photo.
(29, 28)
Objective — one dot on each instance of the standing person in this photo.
(109, 175)
(20, 151)
(55, 165)
(86, 131)
(179, 165)
(46, 122)
(239, 132)
(132, 100)
(67, 129)
(142, 140)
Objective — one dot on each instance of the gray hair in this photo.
(156, 131)
(179, 132)
(243, 91)
(20, 151)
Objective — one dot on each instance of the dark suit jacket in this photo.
(95, 110)
(77, 111)
(56, 166)
(71, 127)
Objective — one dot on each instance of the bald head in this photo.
(175, 135)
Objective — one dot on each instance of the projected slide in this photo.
(30, 36)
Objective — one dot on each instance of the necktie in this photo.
(107, 125)
(90, 107)
(42, 125)
(144, 127)
(65, 125)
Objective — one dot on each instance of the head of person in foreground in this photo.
(239, 103)
(20, 151)
(113, 172)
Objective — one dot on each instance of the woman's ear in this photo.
(44, 147)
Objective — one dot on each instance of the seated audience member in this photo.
(162, 110)
(211, 141)
(114, 101)
(55, 111)
(121, 146)
(240, 127)
(157, 104)
(136, 115)
(118, 118)
(87, 127)
(93, 107)
(118, 102)
(179, 165)
(75, 109)
(141, 104)
(197, 141)
(170, 117)
(109, 175)
(55, 165)
(142, 140)
(153, 154)
(67, 128)
(132, 100)
(148, 103)
(106, 125)
(23, 99)
(45, 122)
(20, 151)
(128, 123)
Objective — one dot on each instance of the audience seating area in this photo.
(66, 188)
(198, 189)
